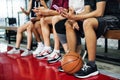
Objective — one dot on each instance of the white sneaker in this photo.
(26, 53)
(54, 57)
(44, 53)
(13, 51)
(38, 50)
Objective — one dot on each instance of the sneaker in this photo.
(44, 53)
(38, 50)
(60, 69)
(54, 57)
(87, 71)
(13, 51)
(26, 53)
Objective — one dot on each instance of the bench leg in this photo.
(106, 46)
(118, 44)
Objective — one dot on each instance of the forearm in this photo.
(50, 12)
(29, 7)
(43, 3)
(87, 15)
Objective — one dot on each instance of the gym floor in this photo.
(14, 67)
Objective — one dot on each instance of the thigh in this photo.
(57, 18)
(37, 24)
(48, 19)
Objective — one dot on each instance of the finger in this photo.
(77, 27)
(71, 9)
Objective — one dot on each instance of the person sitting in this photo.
(92, 25)
(46, 21)
(27, 27)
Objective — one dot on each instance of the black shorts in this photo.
(104, 23)
(101, 27)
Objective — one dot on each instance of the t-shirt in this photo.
(112, 6)
(60, 3)
(77, 5)
(92, 3)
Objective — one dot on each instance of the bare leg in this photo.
(71, 36)
(37, 31)
(89, 27)
(55, 19)
(29, 35)
(46, 30)
(19, 33)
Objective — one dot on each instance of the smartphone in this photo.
(56, 7)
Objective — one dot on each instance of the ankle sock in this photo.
(40, 43)
(58, 51)
(47, 47)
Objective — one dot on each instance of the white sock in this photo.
(47, 47)
(40, 43)
(58, 51)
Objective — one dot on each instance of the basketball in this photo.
(71, 62)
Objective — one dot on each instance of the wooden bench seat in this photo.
(112, 34)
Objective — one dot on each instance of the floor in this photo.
(14, 67)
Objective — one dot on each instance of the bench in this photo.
(8, 32)
(110, 34)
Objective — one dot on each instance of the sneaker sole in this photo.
(92, 74)
(55, 60)
(39, 57)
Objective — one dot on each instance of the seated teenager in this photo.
(27, 27)
(52, 55)
(94, 24)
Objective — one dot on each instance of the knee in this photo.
(54, 19)
(68, 26)
(87, 24)
(41, 21)
(29, 29)
(19, 30)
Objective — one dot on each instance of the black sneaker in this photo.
(87, 71)
(60, 69)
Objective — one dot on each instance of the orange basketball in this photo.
(71, 62)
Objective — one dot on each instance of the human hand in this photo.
(23, 10)
(67, 14)
(75, 25)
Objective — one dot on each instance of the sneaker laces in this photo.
(45, 51)
(53, 55)
(85, 67)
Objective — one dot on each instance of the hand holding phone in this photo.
(59, 9)
(56, 7)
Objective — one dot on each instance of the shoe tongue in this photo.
(91, 64)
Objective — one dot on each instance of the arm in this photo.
(96, 13)
(43, 3)
(27, 12)
(87, 14)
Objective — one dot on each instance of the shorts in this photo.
(101, 27)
